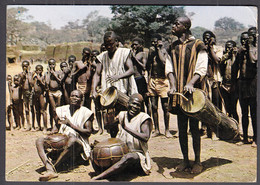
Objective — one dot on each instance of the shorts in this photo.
(158, 87)
(56, 94)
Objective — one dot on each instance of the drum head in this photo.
(195, 103)
(108, 97)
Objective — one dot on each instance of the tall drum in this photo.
(200, 107)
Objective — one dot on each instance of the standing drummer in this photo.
(134, 129)
(189, 66)
(114, 67)
(74, 121)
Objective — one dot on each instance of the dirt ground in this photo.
(222, 161)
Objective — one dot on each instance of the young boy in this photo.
(9, 104)
(38, 97)
(53, 84)
(17, 102)
(25, 82)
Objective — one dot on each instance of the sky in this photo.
(205, 16)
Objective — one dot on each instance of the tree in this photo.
(227, 23)
(198, 31)
(143, 21)
(95, 26)
(15, 27)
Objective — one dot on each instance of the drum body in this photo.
(200, 107)
(108, 152)
(112, 97)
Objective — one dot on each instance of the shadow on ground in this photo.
(172, 163)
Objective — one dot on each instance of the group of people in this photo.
(189, 63)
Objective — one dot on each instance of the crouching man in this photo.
(134, 129)
(70, 137)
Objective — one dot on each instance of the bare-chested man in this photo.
(27, 90)
(39, 97)
(83, 73)
(158, 84)
(247, 57)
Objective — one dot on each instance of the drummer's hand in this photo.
(189, 88)
(111, 79)
(171, 91)
(94, 95)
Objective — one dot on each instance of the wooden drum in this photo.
(112, 97)
(200, 107)
(108, 152)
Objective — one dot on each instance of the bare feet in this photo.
(48, 176)
(168, 134)
(156, 133)
(183, 167)
(197, 168)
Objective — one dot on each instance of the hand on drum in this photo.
(111, 79)
(189, 88)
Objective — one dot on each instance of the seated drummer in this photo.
(74, 121)
(134, 129)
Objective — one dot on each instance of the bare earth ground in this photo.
(222, 161)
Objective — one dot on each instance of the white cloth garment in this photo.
(116, 66)
(135, 145)
(79, 118)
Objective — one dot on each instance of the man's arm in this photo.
(87, 128)
(200, 71)
(252, 54)
(162, 54)
(146, 128)
(140, 59)
(96, 78)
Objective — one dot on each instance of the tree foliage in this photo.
(227, 23)
(15, 27)
(144, 21)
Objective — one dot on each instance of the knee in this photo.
(39, 142)
(129, 158)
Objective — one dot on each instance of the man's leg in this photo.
(166, 115)
(126, 161)
(71, 150)
(194, 128)
(43, 112)
(154, 102)
(245, 121)
(253, 108)
(183, 140)
(51, 171)
(26, 107)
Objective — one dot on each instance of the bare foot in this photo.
(254, 144)
(197, 168)
(156, 133)
(168, 134)
(28, 129)
(183, 167)
(48, 176)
